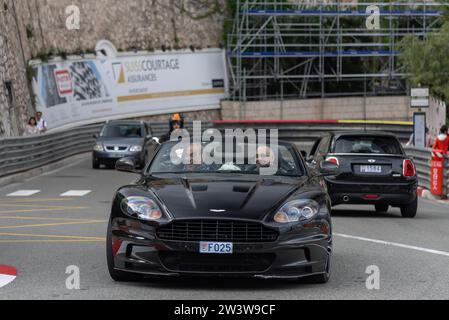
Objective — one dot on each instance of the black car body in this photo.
(222, 207)
(373, 170)
(120, 139)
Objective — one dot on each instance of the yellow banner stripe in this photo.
(158, 95)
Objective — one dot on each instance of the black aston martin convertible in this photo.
(224, 219)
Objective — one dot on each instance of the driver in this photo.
(191, 153)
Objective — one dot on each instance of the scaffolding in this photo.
(302, 49)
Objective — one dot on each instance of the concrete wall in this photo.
(141, 24)
(33, 28)
(373, 108)
(15, 104)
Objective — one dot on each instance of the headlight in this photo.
(297, 210)
(99, 147)
(135, 149)
(142, 208)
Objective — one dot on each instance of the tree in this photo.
(426, 60)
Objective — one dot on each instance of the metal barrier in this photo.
(26, 153)
(304, 133)
(422, 159)
(22, 154)
(160, 128)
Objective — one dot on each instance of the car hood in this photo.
(121, 141)
(241, 198)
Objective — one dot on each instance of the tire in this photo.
(380, 208)
(117, 275)
(95, 164)
(409, 211)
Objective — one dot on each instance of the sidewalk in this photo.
(426, 194)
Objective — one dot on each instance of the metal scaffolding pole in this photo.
(290, 50)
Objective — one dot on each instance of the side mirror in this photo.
(304, 154)
(95, 136)
(126, 165)
(328, 168)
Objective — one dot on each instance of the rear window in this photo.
(367, 145)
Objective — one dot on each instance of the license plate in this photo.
(216, 247)
(371, 169)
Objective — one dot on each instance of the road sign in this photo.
(420, 97)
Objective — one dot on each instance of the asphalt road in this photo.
(43, 233)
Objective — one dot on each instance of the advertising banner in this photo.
(73, 92)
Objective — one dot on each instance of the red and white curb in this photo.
(7, 275)
(426, 194)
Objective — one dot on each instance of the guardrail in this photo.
(160, 128)
(304, 133)
(422, 159)
(22, 154)
(27, 153)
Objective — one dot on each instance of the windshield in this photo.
(176, 158)
(368, 145)
(122, 131)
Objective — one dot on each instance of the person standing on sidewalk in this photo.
(442, 142)
(41, 123)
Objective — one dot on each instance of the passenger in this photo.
(192, 153)
(31, 129)
(265, 157)
(442, 142)
(176, 123)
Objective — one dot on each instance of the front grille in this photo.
(197, 262)
(113, 148)
(217, 230)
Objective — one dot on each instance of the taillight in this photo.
(409, 168)
(333, 160)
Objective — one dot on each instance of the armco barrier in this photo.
(22, 154)
(26, 153)
(422, 159)
(304, 133)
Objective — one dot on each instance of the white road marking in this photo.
(76, 193)
(394, 244)
(23, 193)
(7, 275)
(6, 279)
